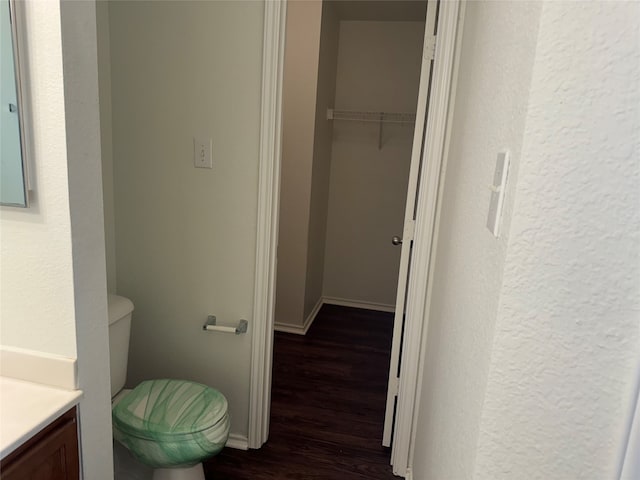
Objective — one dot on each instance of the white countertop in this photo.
(26, 408)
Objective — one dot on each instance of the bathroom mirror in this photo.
(13, 187)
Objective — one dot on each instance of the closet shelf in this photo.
(377, 117)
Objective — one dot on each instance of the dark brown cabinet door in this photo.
(50, 455)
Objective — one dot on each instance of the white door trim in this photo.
(268, 203)
(267, 221)
(416, 325)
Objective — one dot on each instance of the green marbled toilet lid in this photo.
(165, 408)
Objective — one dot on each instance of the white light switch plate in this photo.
(494, 219)
(202, 148)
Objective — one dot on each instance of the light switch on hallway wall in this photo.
(202, 157)
(494, 219)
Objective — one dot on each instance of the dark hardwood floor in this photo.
(328, 397)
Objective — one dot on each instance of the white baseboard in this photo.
(282, 327)
(39, 367)
(300, 330)
(237, 441)
(380, 307)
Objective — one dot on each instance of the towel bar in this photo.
(211, 326)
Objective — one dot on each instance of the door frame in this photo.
(264, 292)
(441, 102)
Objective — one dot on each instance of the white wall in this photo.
(36, 274)
(106, 140)
(533, 337)
(378, 70)
(84, 168)
(322, 145)
(568, 328)
(300, 80)
(185, 237)
(498, 49)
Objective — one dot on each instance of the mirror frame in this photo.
(16, 16)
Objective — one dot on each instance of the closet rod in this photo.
(368, 116)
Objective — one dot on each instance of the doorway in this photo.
(350, 88)
(351, 78)
(439, 72)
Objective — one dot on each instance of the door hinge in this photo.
(394, 385)
(430, 47)
(409, 230)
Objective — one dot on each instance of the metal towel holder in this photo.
(211, 326)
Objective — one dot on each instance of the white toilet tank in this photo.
(120, 309)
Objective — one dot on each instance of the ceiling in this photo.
(381, 10)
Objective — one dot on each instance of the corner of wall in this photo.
(82, 120)
(491, 97)
(300, 85)
(321, 159)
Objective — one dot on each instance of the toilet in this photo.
(169, 425)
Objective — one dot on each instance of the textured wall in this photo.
(300, 80)
(185, 237)
(378, 70)
(498, 49)
(567, 334)
(36, 275)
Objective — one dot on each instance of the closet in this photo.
(349, 97)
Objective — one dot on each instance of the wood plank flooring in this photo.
(327, 410)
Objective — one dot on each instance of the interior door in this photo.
(406, 241)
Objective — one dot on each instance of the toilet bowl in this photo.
(169, 425)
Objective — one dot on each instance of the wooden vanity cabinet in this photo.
(52, 454)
